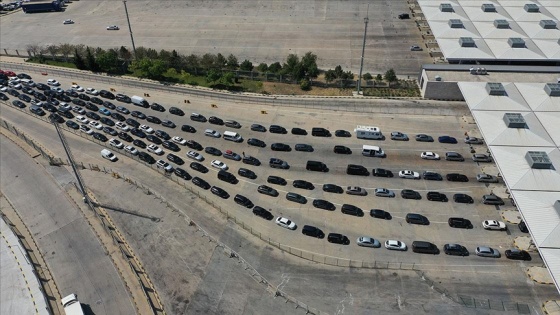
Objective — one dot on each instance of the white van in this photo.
(232, 136)
(106, 154)
(371, 150)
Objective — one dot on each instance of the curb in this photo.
(544, 309)
(532, 278)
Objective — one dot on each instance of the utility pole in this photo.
(366, 20)
(130, 29)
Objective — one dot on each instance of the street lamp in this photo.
(129, 29)
(366, 20)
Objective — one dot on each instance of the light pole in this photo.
(130, 29)
(366, 20)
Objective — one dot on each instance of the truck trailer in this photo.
(369, 132)
(71, 305)
(42, 6)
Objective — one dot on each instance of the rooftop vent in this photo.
(446, 7)
(539, 160)
(495, 89)
(547, 24)
(516, 42)
(501, 24)
(466, 42)
(455, 23)
(488, 7)
(531, 8)
(552, 89)
(515, 120)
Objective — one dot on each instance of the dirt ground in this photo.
(294, 89)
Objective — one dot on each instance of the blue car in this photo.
(447, 139)
(106, 112)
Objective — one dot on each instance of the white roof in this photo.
(367, 128)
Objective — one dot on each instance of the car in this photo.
(342, 134)
(97, 101)
(112, 28)
(132, 122)
(299, 131)
(409, 174)
(257, 127)
(110, 131)
(447, 139)
(171, 146)
(219, 165)
(199, 167)
(82, 119)
(296, 198)
(100, 137)
(436, 196)
(198, 117)
(280, 147)
(410, 194)
(298, 183)
(72, 124)
(395, 245)
(138, 114)
(454, 156)
(455, 250)
(122, 98)
(277, 129)
(323, 204)
(122, 126)
(286, 223)
(80, 96)
(213, 151)
(523, 227)
(263, 213)
(96, 125)
(355, 190)
(366, 241)
(13, 92)
(492, 200)
(461, 223)
(3, 96)
(85, 129)
(188, 128)
(517, 254)
(157, 107)
(338, 239)
(256, 142)
(176, 111)
(194, 145)
(106, 154)
(155, 149)
(153, 139)
(92, 91)
(340, 149)
(462, 198)
(267, 190)
(18, 104)
(399, 136)
(352, 210)
(53, 82)
(429, 175)
(175, 159)
(228, 154)
(22, 75)
(415, 218)
(381, 172)
(105, 111)
(380, 214)
(24, 98)
(415, 48)
(384, 192)
(303, 147)
(456, 177)
(195, 156)
(122, 109)
(168, 123)
(486, 251)
(494, 225)
(404, 16)
(429, 155)
(424, 138)
(332, 188)
(278, 163)
(130, 149)
(116, 143)
(138, 133)
(215, 120)
(139, 143)
(146, 129)
(125, 136)
(107, 121)
(485, 178)
(118, 117)
(182, 173)
(153, 120)
(107, 94)
(200, 183)
(212, 133)
(481, 158)
(162, 134)
(473, 140)
(276, 180)
(247, 159)
(246, 173)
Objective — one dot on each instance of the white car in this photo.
(57, 89)
(92, 91)
(96, 125)
(155, 149)
(147, 129)
(212, 133)
(395, 245)
(122, 126)
(53, 82)
(195, 155)
(415, 48)
(85, 129)
(116, 143)
(82, 119)
(14, 80)
(79, 110)
(179, 140)
(366, 241)
(65, 105)
(77, 88)
(494, 225)
(219, 165)
(409, 174)
(112, 28)
(68, 22)
(130, 149)
(285, 223)
(106, 154)
(429, 156)
(16, 86)
(164, 166)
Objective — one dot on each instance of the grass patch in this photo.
(386, 92)
(51, 62)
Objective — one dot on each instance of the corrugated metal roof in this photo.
(551, 257)
(538, 213)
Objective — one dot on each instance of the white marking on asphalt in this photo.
(285, 280)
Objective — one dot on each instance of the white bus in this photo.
(371, 150)
(368, 132)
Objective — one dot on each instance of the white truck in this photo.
(139, 101)
(375, 151)
(71, 305)
(368, 132)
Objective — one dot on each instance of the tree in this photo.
(193, 62)
(90, 61)
(275, 67)
(151, 53)
(108, 61)
(330, 76)
(290, 65)
(81, 48)
(157, 69)
(149, 68)
(262, 67)
(220, 61)
(124, 53)
(175, 61)
(348, 75)
(309, 64)
(65, 50)
(338, 71)
(305, 85)
(141, 53)
(34, 49)
(98, 51)
(378, 77)
(390, 76)
(367, 76)
(79, 61)
(246, 65)
(52, 49)
(165, 56)
(213, 75)
(232, 62)
(171, 73)
(227, 79)
(207, 61)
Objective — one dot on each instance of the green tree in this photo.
(53, 50)
(309, 65)
(151, 53)
(390, 76)
(227, 79)
(275, 67)
(330, 76)
(289, 67)
(220, 61)
(141, 53)
(65, 50)
(246, 65)
(367, 76)
(108, 61)
(232, 62)
(338, 71)
(175, 61)
(305, 85)
(379, 77)
(79, 61)
(171, 73)
(149, 68)
(193, 62)
(185, 76)
(207, 61)
(348, 75)
(90, 61)
(262, 67)
(213, 75)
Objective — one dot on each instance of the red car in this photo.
(9, 73)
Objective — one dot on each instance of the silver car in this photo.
(481, 158)
(384, 192)
(473, 140)
(486, 251)
(366, 241)
(355, 190)
(485, 178)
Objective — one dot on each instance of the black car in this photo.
(122, 98)
(332, 188)
(188, 128)
(110, 131)
(175, 159)
(109, 105)
(381, 172)
(219, 192)
(267, 190)
(50, 108)
(162, 134)
(251, 160)
(24, 98)
(122, 109)
(351, 210)
(75, 101)
(197, 117)
(517, 254)
(424, 138)
(338, 239)
(194, 145)
(96, 100)
(199, 167)
(523, 227)
(280, 147)
(139, 143)
(246, 173)
(410, 194)
(107, 121)
(277, 129)
(380, 214)
(176, 111)
(296, 198)
(243, 201)
(24, 76)
(157, 107)
(276, 180)
(200, 183)
(138, 114)
(100, 137)
(340, 149)
(71, 93)
(168, 123)
(462, 198)
(56, 118)
(303, 147)
(125, 136)
(298, 183)
(14, 92)
(118, 116)
(299, 131)
(138, 132)
(342, 134)
(146, 157)
(171, 146)
(415, 218)
(455, 250)
(72, 124)
(257, 127)
(65, 113)
(323, 204)
(436, 196)
(460, 223)
(92, 107)
(256, 142)
(28, 90)
(182, 173)
(213, 151)
(80, 96)
(263, 213)
(455, 177)
(18, 104)
(152, 119)
(153, 139)
(132, 122)
(107, 94)
(215, 120)
(427, 175)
